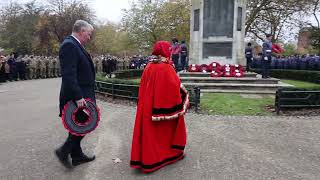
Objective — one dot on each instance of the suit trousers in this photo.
(72, 146)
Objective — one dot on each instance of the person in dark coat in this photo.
(78, 80)
(175, 53)
(184, 55)
(266, 56)
(2, 69)
(13, 66)
(249, 56)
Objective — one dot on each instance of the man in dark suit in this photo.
(78, 79)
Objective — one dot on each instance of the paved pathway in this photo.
(219, 147)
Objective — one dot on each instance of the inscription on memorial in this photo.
(218, 18)
(217, 49)
(196, 16)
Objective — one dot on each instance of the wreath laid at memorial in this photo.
(217, 70)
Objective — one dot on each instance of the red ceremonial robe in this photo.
(159, 136)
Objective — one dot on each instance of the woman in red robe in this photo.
(159, 136)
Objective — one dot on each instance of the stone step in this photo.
(243, 80)
(200, 74)
(235, 86)
(238, 91)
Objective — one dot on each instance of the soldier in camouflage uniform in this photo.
(95, 64)
(50, 67)
(126, 62)
(58, 67)
(98, 64)
(43, 67)
(38, 67)
(46, 64)
(32, 68)
(27, 61)
(54, 66)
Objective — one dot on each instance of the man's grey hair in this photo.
(81, 24)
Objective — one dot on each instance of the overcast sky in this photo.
(109, 9)
(104, 9)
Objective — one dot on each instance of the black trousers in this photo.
(72, 146)
(175, 59)
(249, 61)
(13, 76)
(22, 75)
(266, 64)
(183, 59)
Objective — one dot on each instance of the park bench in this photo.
(296, 99)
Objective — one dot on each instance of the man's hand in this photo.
(81, 103)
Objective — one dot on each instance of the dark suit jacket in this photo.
(77, 71)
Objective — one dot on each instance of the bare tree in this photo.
(64, 13)
(316, 9)
(275, 16)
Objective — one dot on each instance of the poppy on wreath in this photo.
(214, 66)
(204, 68)
(216, 73)
(194, 68)
(215, 69)
(238, 70)
(228, 70)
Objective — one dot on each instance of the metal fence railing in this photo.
(118, 90)
(130, 92)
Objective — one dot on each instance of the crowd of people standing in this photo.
(179, 54)
(271, 58)
(14, 67)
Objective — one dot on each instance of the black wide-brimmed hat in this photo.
(80, 121)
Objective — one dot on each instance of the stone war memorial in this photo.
(217, 31)
(217, 35)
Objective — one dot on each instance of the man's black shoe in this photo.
(82, 159)
(63, 160)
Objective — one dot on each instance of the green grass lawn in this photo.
(301, 84)
(234, 104)
(137, 80)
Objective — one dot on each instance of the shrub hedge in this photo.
(131, 73)
(302, 75)
(101, 77)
